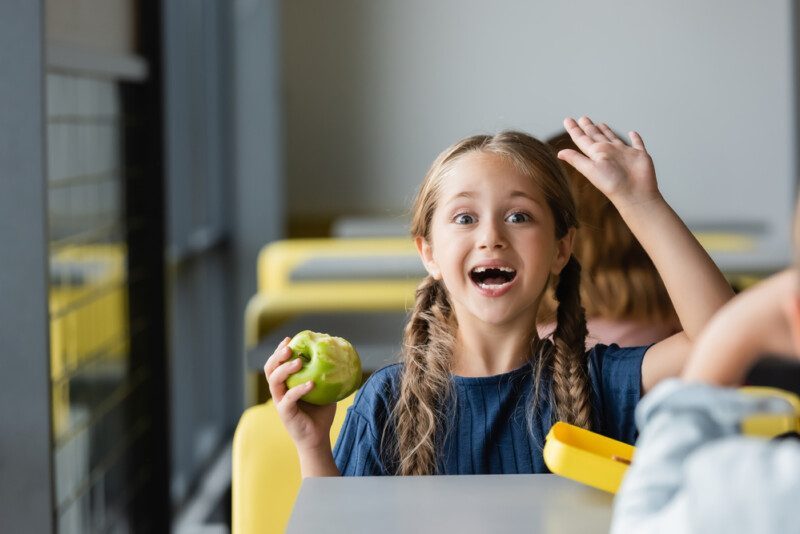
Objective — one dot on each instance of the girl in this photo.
(693, 471)
(477, 389)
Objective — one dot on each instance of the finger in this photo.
(276, 390)
(277, 379)
(285, 370)
(280, 355)
(577, 134)
(591, 129)
(582, 164)
(293, 395)
(636, 141)
(609, 133)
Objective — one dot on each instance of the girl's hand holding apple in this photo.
(308, 425)
(307, 375)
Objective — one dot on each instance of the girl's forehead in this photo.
(485, 172)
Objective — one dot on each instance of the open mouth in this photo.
(492, 277)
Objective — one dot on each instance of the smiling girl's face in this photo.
(492, 241)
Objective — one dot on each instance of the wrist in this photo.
(629, 205)
(317, 462)
(312, 450)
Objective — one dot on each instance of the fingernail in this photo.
(309, 384)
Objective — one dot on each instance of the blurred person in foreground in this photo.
(693, 471)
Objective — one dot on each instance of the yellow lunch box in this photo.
(601, 462)
(770, 425)
(587, 457)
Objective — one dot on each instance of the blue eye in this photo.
(518, 217)
(463, 218)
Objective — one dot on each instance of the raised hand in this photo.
(623, 173)
(308, 425)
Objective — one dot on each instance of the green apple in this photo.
(330, 362)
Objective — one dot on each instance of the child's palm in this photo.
(615, 168)
(307, 423)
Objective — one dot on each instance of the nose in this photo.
(491, 237)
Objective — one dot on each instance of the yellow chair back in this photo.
(266, 471)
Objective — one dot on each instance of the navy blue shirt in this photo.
(491, 428)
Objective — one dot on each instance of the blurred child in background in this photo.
(624, 297)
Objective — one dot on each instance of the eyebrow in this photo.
(512, 194)
(463, 194)
(523, 194)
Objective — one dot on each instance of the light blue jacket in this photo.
(694, 472)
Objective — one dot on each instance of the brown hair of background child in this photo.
(428, 342)
(619, 281)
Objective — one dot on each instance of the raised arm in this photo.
(625, 174)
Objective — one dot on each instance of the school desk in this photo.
(532, 504)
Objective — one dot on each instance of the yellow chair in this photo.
(266, 470)
(280, 296)
(304, 276)
(88, 316)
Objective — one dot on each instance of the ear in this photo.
(792, 312)
(426, 254)
(563, 251)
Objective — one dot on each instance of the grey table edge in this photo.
(465, 504)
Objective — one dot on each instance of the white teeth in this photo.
(492, 285)
(483, 269)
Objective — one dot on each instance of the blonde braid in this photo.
(569, 364)
(425, 383)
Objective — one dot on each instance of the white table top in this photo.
(450, 504)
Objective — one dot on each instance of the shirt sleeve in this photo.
(692, 472)
(357, 451)
(616, 376)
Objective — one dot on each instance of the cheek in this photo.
(544, 256)
(544, 246)
(446, 257)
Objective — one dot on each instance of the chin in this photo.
(495, 319)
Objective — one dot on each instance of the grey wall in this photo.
(26, 491)
(374, 90)
(259, 199)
